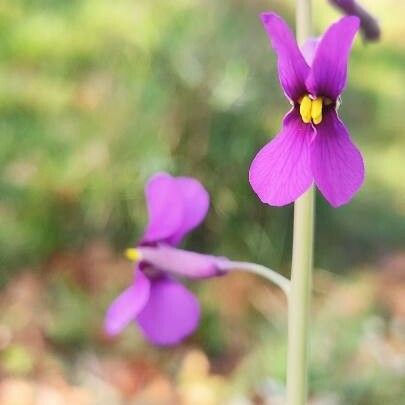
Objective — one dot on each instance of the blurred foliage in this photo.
(98, 95)
(238, 355)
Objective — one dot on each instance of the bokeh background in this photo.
(97, 95)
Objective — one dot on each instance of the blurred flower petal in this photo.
(171, 313)
(195, 201)
(165, 208)
(176, 205)
(182, 262)
(309, 48)
(127, 305)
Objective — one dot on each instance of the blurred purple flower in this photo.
(165, 311)
(313, 145)
(369, 25)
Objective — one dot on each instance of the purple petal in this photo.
(292, 68)
(165, 208)
(336, 163)
(171, 314)
(281, 171)
(195, 206)
(182, 262)
(127, 305)
(309, 48)
(175, 206)
(329, 69)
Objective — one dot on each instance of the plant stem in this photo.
(301, 269)
(303, 20)
(258, 269)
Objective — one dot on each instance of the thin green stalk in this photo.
(262, 271)
(301, 269)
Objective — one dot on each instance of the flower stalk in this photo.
(273, 276)
(301, 269)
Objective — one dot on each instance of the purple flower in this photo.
(313, 145)
(165, 311)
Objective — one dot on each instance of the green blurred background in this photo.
(97, 95)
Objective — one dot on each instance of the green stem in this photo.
(301, 269)
(262, 271)
(303, 20)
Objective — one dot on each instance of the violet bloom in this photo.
(313, 145)
(165, 311)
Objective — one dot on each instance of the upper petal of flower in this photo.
(127, 305)
(165, 207)
(292, 68)
(329, 68)
(171, 314)
(196, 202)
(281, 171)
(181, 262)
(175, 206)
(337, 164)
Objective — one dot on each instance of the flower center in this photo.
(311, 108)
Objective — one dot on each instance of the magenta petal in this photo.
(127, 305)
(309, 48)
(175, 206)
(292, 68)
(182, 262)
(337, 164)
(195, 201)
(171, 314)
(165, 207)
(329, 68)
(281, 171)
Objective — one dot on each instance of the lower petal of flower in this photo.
(281, 171)
(336, 162)
(171, 314)
(127, 305)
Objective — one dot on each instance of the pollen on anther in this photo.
(311, 109)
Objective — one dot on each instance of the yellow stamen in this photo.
(311, 109)
(316, 110)
(305, 109)
(133, 254)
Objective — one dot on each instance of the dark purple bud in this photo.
(369, 24)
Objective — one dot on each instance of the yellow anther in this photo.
(305, 109)
(316, 110)
(311, 109)
(133, 254)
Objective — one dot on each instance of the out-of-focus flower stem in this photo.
(301, 268)
(271, 275)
